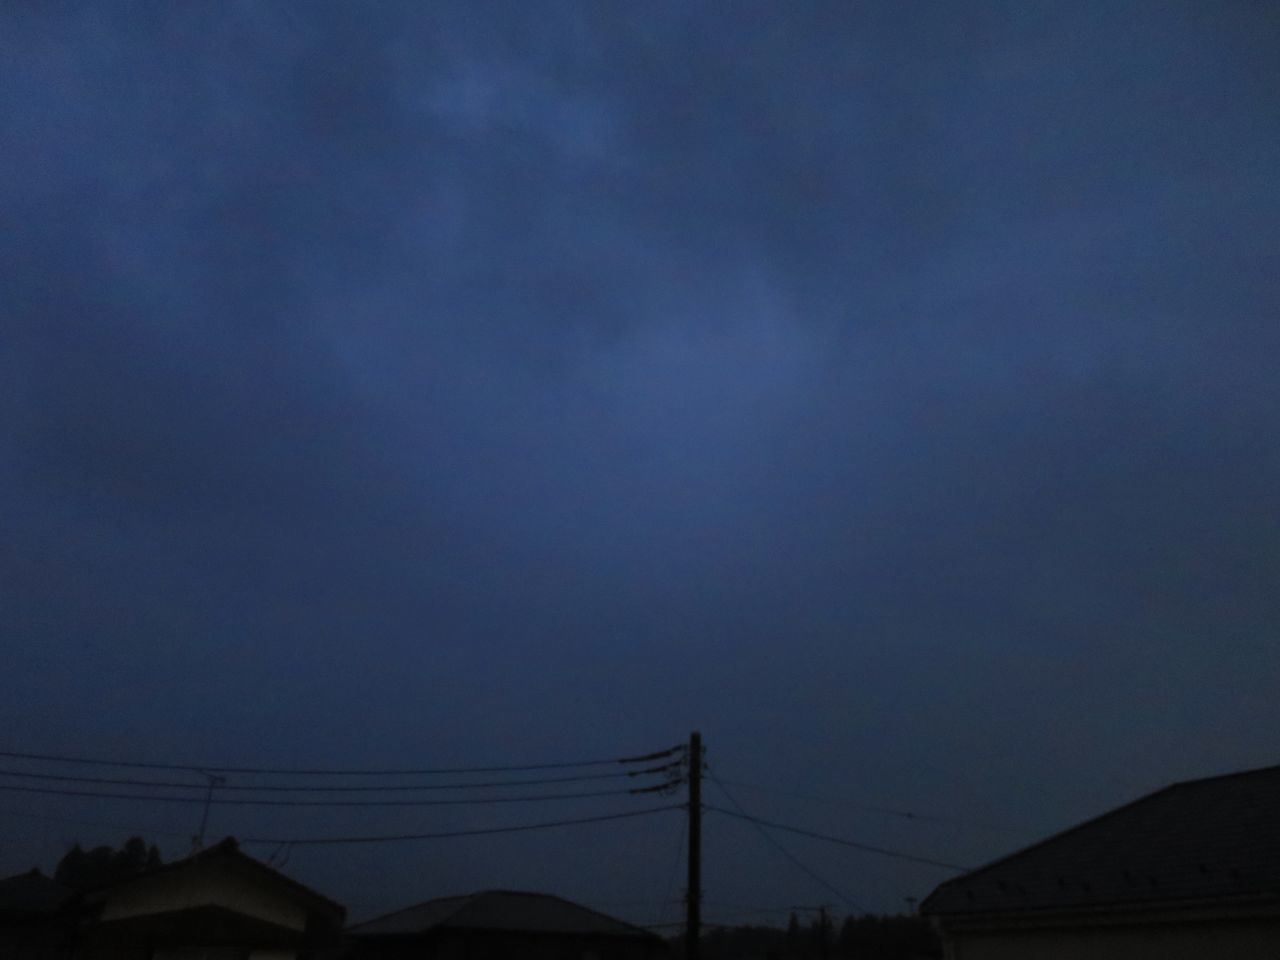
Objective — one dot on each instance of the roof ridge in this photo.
(1252, 771)
(1044, 841)
(227, 846)
(1091, 822)
(521, 893)
(598, 913)
(418, 905)
(574, 904)
(464, 901)
(486, 902)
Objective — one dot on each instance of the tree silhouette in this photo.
(81, 869)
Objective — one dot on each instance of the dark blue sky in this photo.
(887, 390)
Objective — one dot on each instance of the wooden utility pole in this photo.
(693, 925)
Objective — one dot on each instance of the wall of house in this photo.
(34, 941)
(502, 945)
(1235, 939)
(144, 951)
(218, 884)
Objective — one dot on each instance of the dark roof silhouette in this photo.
(228, 849)
(33, 893)
(1215, 839)
(498, 911)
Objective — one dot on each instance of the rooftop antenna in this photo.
(197, 842)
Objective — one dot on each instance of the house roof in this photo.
(1212, 839)
(228, 851)
(33, 893)
(498, 910)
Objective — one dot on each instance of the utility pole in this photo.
(693, 925)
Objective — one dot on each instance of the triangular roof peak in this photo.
(498, 910)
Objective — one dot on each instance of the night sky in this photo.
(888, 391)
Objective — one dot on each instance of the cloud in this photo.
(873, 391)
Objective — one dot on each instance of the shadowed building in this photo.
(1191, 871)
(35, 918)
(218, 904)
(498, 924)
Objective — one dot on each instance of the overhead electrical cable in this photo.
(479, 832)
(336, 772)
(857, 845)
(334, 788)
(773, 841)
(858, 805)
(258, 802)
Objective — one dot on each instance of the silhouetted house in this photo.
(217, 904)
(36, 922)
(1191, 871)
(501, 924)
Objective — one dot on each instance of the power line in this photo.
(336, 772)
(258, 802)
(830, 887)
(857, 845)
(483, 831)
(334, 788)
(858, 805)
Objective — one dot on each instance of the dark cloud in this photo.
(887, 392)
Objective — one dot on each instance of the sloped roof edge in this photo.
(229, 848)
(451, 909)
(930, 904)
